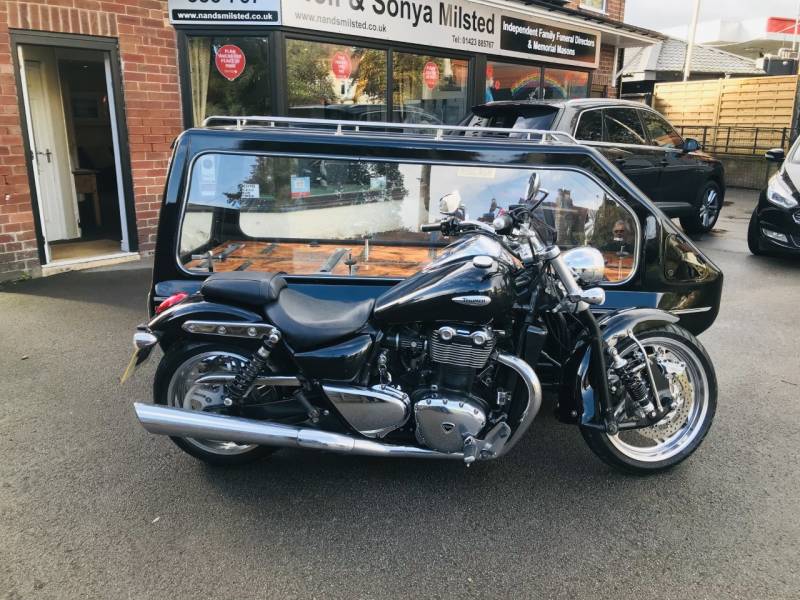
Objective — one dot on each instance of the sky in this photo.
(657, 14)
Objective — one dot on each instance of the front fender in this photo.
(578, 396)
(167, 326)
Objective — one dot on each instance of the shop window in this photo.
(429, 89)
(229, 76)
(596, 5)
(660, 132)
(330, 81)
(508, 81)
(622, 126)
(361, 218)
(561, 84)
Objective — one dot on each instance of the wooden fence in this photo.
(738, 116)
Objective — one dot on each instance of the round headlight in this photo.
(586, 263)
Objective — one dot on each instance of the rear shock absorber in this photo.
(244, 380)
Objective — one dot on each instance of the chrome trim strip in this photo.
(177, 422)
(236, 329)
(689, 311)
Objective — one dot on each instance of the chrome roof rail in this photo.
(437, 132)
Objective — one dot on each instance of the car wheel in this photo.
(707, 210)
(753, 235)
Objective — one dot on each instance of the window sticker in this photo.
(208, 176)
(251, 190)
(301, 186)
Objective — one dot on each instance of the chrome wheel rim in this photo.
(709, 209)
(647, 445)
(183, 392)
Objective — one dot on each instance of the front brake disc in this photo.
(682, 393)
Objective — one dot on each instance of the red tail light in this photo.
(171, 301)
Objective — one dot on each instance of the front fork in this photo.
(644, 393)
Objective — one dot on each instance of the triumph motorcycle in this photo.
(439, 366)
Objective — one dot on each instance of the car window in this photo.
(306, 215)
(623, 126)
(659, 131)
(590, 126)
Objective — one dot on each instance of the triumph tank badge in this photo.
(473, 300)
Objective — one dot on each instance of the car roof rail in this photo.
(435, 131)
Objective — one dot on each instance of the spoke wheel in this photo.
(707, 210)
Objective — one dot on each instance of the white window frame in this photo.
(603, 10)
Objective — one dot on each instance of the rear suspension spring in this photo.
(244, 380)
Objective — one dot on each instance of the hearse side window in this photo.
(623, 126)
(360, 218)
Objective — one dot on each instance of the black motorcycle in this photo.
(439, 366)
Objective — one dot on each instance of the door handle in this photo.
(620, 162)
(46, 154)
(664, 162)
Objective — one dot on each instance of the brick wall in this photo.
(152, 106)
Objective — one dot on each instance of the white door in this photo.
(47, 133)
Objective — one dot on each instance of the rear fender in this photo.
(167, 326)
(578, 400)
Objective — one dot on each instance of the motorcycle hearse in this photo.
(389, 291)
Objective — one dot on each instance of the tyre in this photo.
(175, 385)
(709, 205)
(692, 382)
(753, 234)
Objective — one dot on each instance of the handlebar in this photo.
(426, 227)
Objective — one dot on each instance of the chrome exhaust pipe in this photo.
(534, 387)
(177, 422)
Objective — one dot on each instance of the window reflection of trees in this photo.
(331, 183)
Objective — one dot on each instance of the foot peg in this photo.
(489, 447)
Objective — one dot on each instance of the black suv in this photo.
(683, 181)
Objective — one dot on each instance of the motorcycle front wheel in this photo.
(176, 385)
(692, 381)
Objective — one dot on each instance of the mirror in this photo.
(534, 183)
(775, 155)
(450, 205)
(587, 264)
(691, 145)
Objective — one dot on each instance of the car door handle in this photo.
(664, 162)
(620, 162)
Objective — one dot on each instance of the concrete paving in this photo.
(91, 506)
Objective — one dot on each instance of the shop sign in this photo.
(430, 74)
(224, 12)
(454, 24)
(341, 66)
(230, 61)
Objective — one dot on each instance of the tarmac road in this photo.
(91, 506)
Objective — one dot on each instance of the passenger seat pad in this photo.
(240, 287)
(307, 322)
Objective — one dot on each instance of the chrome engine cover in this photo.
(443, 423)
(373, 412)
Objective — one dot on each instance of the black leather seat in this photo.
(240, 287)
(308, 322)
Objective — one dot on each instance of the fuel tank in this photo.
(470, 282)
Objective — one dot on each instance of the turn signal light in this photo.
(171, 301)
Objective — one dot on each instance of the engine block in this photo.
(462, 347)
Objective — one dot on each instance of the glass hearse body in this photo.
(338, 209)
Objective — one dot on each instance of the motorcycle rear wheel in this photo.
(643, 452)
(174, 386)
